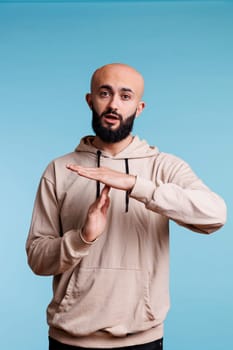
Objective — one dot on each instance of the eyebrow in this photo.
(109, 87)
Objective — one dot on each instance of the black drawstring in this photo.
(98, 183)
(126, 193)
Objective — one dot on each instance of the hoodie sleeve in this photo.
(49, 253)
(177, 193)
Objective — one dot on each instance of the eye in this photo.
(125, 97)
(104, 93)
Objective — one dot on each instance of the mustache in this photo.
(113, 113)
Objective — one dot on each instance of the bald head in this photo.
(119, 73)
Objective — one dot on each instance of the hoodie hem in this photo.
(106, 340)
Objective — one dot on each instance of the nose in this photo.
(114, 102)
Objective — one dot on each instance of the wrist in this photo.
(132, 183)
(85, 240)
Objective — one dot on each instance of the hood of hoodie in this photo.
(136, 149)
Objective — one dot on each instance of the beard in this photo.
(106, 134)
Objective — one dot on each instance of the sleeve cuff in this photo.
(143, 190)
(83, 239)
(75, 242)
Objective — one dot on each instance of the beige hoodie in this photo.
(114, 292)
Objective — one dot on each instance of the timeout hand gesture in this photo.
(97, 213)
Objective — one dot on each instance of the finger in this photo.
(76, 167)
(105, 191)
(90, 173)
(106, 206)
(106, 199)
(103, 197)
(73, 167)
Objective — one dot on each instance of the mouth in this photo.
(110, 118)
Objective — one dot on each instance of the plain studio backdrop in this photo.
(184, 49)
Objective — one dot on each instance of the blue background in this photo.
(48, 52)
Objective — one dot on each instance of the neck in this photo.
(112, 148)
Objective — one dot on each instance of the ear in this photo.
(141, 106)
(89, 100)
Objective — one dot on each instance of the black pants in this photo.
(155, 345)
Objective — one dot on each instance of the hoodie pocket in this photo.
(114, 300)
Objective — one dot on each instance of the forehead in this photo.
(118, 77)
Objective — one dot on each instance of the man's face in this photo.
(115, 101)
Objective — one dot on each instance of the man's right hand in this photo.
(97, 216)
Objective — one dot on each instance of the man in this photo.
(100, 225)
